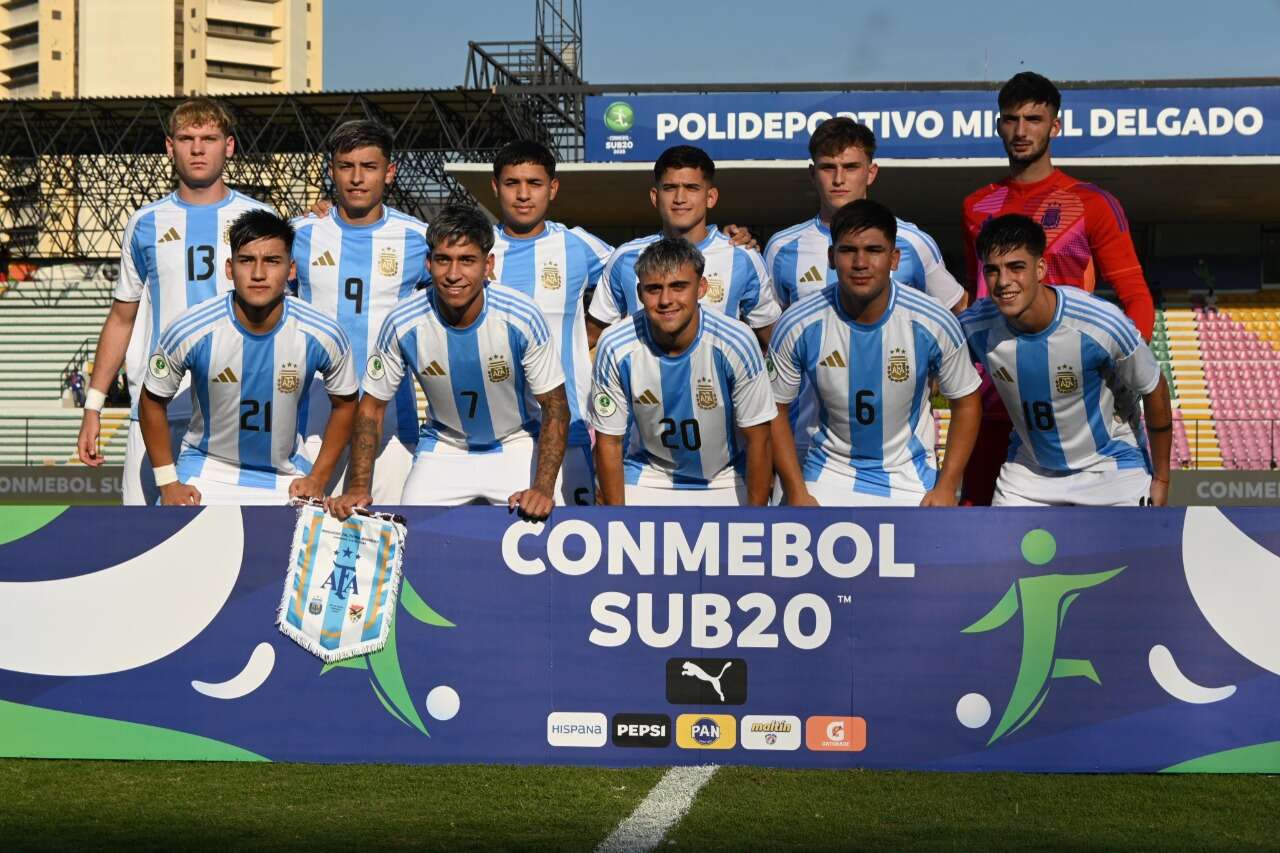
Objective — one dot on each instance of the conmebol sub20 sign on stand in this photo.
(1206, 121)
(1107, 640)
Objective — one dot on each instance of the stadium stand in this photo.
(44, 325)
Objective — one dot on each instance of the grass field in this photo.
(48, 805)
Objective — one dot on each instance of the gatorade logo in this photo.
(835, 734)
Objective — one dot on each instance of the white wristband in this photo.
(94, 400)
(165, 475)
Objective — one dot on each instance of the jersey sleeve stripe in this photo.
(1120, 326)
(175, 339)
(730, 337)
(933, 311)
(920, 238)
(184, 324)
(798, 316)
(1124, 344)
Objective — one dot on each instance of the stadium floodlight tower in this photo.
(539, 79)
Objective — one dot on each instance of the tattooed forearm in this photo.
(364, 447)
(551, 439)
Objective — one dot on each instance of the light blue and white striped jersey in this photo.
(356, 274)
(738, 285)
(686, 409)
(875, 424)
(173, 256)
(249, 388)
(555, 269)
(1072, 390)
(796, 258)
(480, 381)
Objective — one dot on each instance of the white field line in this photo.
(670, 799)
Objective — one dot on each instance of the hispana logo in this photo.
(706, 731)
(576, 728)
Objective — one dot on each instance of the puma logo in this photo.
(692, 669)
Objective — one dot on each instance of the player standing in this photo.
(484, 356)
(1087, 238)
(252, 356)
(1070, 367)
(554, 266)
(737, 282)
(355, 263)
(870, 347)
(843, 153)
(693, 384)
(172, 254)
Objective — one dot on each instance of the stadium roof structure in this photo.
(72, 170)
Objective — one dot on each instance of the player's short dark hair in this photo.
(360, 133)
(863, 214)
(684, 157)
(259, 224)
(1028, 87)
(668, 255)
(524, 151)
(836, 134)
(1009, 232)
(457, 222)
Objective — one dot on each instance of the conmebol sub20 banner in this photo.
(1187, 122)
(1110, 640)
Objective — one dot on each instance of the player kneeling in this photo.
(871, 348)
(484, 357)
(693, 384)
(1070, 369)
(251, 355)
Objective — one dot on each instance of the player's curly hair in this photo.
(836, 134)
(258, 224)
(524, 151)
(668, 255)
(1028, 87)
(859, 216)
(1008, 233)
(458, 222)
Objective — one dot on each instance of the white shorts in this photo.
(390, 468)
(448, 476)
(139, 486)
(1022, 485)
(734, 495)
(219, 486)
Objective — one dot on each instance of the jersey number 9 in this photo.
(355, 292)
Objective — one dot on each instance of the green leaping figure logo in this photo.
(1044, 601)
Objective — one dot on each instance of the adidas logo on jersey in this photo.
(170, 235)
(325, 260)
(813, 276)
(1002, 374)
(833, 360)
(648, 398)
(227, 375)
(434, 369)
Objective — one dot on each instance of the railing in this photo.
(38, 430)
(1265, 457)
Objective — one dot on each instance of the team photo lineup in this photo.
(271, 360)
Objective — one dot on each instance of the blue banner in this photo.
(1082, 640)
(1181, 122)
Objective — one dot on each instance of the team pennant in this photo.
(343, 583)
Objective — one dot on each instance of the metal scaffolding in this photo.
(72, 171)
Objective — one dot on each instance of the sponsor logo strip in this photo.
(576, 728)
(771, 731)
(706, 731)
(642, 730)
(835, 734)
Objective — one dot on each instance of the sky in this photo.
(423, 43)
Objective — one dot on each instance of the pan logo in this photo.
(1043, 601)
(706, 731)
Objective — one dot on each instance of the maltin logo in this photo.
(706, 731)
(619, 117)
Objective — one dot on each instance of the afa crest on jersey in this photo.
(715, 289)
(499, 370)
(899, 369)
(551, 278)
(388, 262)
(289, 379)
(1051, 217)
(706, 396)
(1065, 380)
